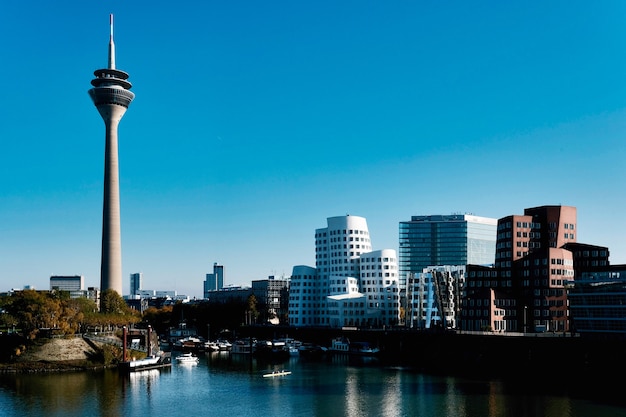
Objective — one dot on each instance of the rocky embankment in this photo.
(71, 354)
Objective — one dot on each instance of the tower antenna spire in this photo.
(111, 95)
(111, 45)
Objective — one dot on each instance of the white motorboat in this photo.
(187, 357)
(211, 346)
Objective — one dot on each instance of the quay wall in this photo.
(475, 353)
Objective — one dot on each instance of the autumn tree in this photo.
(252, 310)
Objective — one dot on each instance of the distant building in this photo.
(145, 293)
(233, 293)
(136, 282)
(214, 281)
(67, 283)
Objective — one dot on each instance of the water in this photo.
(229, 385)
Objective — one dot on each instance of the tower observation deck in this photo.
(111, 96)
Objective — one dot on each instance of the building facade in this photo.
(456, 239)
(69, 283)
(525, 291)
(434, 297)
(136, 282)
(597, 302)
(272, 296)
(351, 285)
(214, 281)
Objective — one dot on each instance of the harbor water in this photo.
(224, 384)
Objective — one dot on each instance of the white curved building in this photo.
(380, 285)
(333, 293)
(305, 297)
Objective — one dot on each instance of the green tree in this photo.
(112, 303)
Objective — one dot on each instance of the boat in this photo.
(342, 345)
(271, 350)
(291, 345)
(188, 343)
(311, 351)
(151, 361)
(276, 373)
(162, 360)
(363, 349)
(187, 357)
(224, 344)
(243, 347)
(211, 346)
(294, 351)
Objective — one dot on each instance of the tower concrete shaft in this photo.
(111, 95)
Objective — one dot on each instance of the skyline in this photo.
(254, 123)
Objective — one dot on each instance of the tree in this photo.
(112, 303)
(34, 310)
(252, 308)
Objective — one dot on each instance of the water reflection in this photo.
(232, 385)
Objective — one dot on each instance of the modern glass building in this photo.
(67, 283)
(214, 281)
(136, 281)
(457, 239)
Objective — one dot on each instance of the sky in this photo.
(254, 122)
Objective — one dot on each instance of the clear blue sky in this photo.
(255, 121)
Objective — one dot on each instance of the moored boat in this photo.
(363, 349)
(311, 351)
(243, 347)
(187, 357)
(151, 362)
(342, 345)
(211, 346)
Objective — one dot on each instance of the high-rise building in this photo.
(136, 282)
(437, 240)
(214, 281)
(525, 291)
(111, 96)
(351, 285)
(67, 283)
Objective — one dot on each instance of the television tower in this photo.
(111, 95)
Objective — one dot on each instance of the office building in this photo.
(457, 239)
(597, 302)
(525, 291)
(136, 282)
(111, 96)
(351, 285)
(214, 281)
(272, 295)
(434, 297)
(67, 283)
